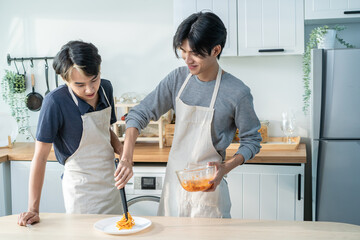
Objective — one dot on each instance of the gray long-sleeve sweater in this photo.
(233, 109)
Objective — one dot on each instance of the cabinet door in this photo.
(267, 192)
(331, 9)
(271, 27)
(225, 9)
(51, 194)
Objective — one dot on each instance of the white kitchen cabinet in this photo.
(51, 195)
(332, 9)
(271, 27)
(267, 192)
(225, 9)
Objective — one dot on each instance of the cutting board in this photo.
(275, 143)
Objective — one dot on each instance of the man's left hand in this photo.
(219, 174)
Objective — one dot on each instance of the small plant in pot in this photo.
(319, 38)
(13, 93)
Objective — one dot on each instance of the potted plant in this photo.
(318, 40)
(13, 93)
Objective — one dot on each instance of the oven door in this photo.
(143, 205)
(143, 191)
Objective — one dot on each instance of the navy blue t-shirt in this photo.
(60, 118)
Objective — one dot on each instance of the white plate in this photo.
(108, 225)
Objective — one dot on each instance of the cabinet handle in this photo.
(272, 50)
(299, 187)
(352, 12)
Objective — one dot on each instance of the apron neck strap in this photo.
(107, 100)
(77, 102)
(73, 96)
(184, 84)
(216, 88)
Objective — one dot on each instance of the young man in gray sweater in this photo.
(210, 104)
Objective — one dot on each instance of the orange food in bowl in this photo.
(196, 185)
(196, 178)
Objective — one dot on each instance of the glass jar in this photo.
(236, 138)
(264, 130)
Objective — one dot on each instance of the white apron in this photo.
(88, 181)
(192, 143)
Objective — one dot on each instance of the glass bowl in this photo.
(196, 179)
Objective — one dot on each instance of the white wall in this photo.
(135, 41)
(134, 38)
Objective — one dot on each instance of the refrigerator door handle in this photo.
(317, 69)
(314, 165)
(299, 186)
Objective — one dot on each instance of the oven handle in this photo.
(143, 198)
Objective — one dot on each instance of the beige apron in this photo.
(192, 143)
(88, 181)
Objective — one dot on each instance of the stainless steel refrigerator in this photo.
(335, 133)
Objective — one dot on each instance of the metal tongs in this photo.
(122, 194)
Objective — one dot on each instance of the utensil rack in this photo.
(22, 59)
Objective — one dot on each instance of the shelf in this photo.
(117, 126)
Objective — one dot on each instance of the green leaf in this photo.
(13, 86)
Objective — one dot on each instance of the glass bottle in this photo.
(264, 130)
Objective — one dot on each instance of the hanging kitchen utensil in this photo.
(47, 76)
(33, 99)
(122, 194)
(56, 80)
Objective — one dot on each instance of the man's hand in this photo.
(123, 173)
(219, 174)
(224, 168)
(28, 218)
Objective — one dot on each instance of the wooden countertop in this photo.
(150, 152)
(76, 226)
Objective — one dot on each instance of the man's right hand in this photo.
(124, 170)
(123, 173)
(28, 218)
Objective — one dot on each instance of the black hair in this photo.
(84, 55)
(203, 30)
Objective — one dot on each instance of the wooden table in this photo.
(73, 227)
